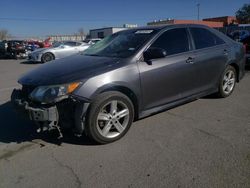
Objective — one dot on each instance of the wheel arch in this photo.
(48, 53)
(124, 90)
(52, 54)
(237, 69)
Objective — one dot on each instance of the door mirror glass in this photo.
(154, 53)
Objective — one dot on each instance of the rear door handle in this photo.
(190, 60)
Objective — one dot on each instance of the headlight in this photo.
(48, 94)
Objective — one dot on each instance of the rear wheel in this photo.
(227, 82)
(47, 57)
(110, 117)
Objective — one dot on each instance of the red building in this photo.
(227, 20)
(174, 21)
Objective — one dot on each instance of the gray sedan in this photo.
(128, 76)
(58, 51)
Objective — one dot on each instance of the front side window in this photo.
(174, 41)
(204, 38)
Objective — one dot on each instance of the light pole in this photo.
(198, 9)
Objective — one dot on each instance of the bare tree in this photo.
(4, 34)
(81, 33)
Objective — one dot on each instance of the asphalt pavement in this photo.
(205, 143)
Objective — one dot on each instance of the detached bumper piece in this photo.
(46, 118)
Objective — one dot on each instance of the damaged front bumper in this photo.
(64, 114)
(37, 114)
(46, 118)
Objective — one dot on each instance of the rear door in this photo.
(168, 79)
(210, 57)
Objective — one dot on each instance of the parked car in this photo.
(3, 48)
(246, 43)
(46, 43)
(13, 49)
(58, 51)
(35, 44)
(239, 35)
(130, 75)
(92, 41)
(32, 45)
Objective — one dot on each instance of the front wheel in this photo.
(47, 57)
(110, 117)
(227, 82)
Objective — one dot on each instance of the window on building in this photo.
(100, 34)
(204, 38)
(174, 41)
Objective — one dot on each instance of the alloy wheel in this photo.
(112, 119)
(228, 81)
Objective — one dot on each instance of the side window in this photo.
(69, 43)
(174, 41)
(78, 43)
(204, 38)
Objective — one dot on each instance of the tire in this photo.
(104, 123)
(47, 57)
(227, 82)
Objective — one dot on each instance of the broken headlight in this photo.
(54, 93)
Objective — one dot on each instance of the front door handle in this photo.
(190, 60)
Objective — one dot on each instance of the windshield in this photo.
(122, 44)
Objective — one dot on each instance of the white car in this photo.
(92, 41)
(57, 51)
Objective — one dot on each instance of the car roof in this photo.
(160, 27)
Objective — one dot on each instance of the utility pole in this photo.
(198, 9)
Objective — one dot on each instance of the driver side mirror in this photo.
(154, 53)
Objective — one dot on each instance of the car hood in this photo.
(69, 69)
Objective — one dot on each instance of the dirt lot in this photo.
(205, 143)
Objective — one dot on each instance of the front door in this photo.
(170, 78)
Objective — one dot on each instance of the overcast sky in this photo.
(46, 17)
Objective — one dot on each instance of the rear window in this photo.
(204, 38)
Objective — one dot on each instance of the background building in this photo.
(174, 21)
(66, 38)
(103, 32)
(227, 20)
